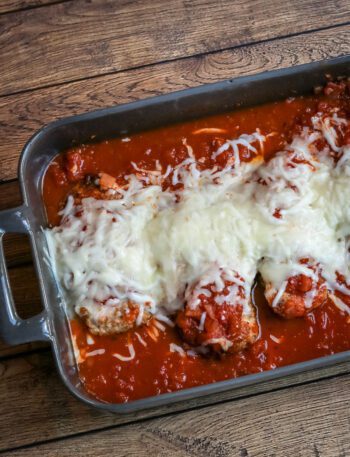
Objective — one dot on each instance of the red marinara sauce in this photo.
(155, 369)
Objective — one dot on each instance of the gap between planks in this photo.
(303, 33)
(118, 36)
(155, 434)
(23, 114)
(14, 6)
(266, 421)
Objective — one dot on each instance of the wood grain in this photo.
(116, 52)
(23, 280)
(7, 352)
(30, 384)
(10, 195)
(81, 39)
(286, 422)
(21, 115)
(26, 295)
(25, 289)
(17, 246)
(7, 6)
(17, 249)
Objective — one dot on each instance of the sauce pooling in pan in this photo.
(205, 250)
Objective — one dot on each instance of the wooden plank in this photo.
(23, 280)
(75, 40)
(7, 351)
(17, 247)
(309, 420)
(10, 195)
(25, 290)
(7, 6)
(26, 295)
(23, 114)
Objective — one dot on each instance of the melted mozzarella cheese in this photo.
(148, 244)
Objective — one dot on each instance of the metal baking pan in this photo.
(52, 325)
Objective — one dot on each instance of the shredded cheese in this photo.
(141, 340)
(148, 244)
(223, 342)
(127, 358)
(275, 339)
(159, 326)
(202, 321)
(209, 130)
(95, 352)
(176, 348)
(279, 294)
(89, 339)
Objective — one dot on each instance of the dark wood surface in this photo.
(60, 58)
(280, 423)
(7, 6)
(107, 36)
(23, 114)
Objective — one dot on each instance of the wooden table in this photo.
(63, 57)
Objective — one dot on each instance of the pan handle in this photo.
(13, 329)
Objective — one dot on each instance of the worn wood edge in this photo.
(142, 33)
(7, 351)
(24, 114)
(245, 425)
(50, 412)
(11, 6)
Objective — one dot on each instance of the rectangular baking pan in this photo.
(52, 325)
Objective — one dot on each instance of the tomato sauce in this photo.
(155, 369)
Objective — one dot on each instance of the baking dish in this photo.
(52, 325)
